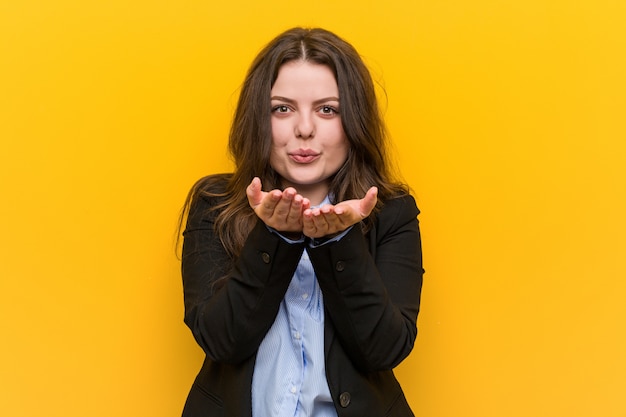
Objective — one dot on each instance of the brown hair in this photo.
(250, 137)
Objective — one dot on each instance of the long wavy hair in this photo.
(250, 139)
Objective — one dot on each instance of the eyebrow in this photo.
(291, 101)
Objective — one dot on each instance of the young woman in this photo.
(302, 269)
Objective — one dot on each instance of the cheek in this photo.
(342, 148)
(337, 139)
(279, 133)
(344, 152)
(277, 149)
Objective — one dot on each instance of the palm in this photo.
(281, 210)
(288, 211)
(329, 220)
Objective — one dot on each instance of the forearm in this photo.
(230, 320)
(373, 302)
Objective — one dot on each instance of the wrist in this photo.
(322, 240)
(292, 235)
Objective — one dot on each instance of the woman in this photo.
(304, 297)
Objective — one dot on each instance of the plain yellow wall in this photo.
(508, 120)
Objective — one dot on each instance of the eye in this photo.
(281, 108)
(328, 110)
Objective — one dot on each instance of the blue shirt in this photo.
(289, 377)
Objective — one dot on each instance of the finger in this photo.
(253, 191)
(283, 206)
(320, 222)
(306, 204)
(295, 211)
(270, 201)
(369, 202)
(329, 216)
(335, 222)
(308, 225)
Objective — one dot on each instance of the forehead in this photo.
(305, 78)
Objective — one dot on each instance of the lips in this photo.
(304, 156)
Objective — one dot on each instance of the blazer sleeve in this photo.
(229, 306)
(372, 286)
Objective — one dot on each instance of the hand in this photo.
(281, 210)
(328, 219)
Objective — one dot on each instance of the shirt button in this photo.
(292, 389)
(344, 399)
(305, 296)
(266, 257)
(339, 266)
(296, 335)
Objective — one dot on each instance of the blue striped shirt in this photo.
(289, 377)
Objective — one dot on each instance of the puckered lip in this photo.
(304, 156)
(304, 152)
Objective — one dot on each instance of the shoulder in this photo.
(206, 194)
(211, 185)
(400, 204)
(210, 189)
(396, 211)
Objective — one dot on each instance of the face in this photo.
(308, 142)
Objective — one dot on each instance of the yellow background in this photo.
(508, 120)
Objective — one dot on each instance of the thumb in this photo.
(369, 201)
(253, 191)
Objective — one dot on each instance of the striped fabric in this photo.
(289, 377)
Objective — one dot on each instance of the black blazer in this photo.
(371, 285)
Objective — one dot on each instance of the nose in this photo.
(305, 127)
